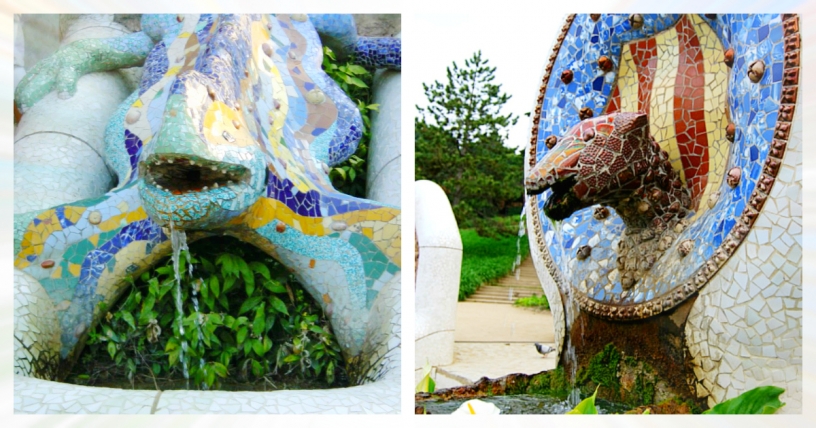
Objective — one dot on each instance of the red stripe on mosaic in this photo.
(689, 116)
(644, 55)
(614, 101)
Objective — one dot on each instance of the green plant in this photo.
(534, 301)
(427, 383)
(350, 176)
(586, 406)
(762, 400)
(485, 260)
(253, 322)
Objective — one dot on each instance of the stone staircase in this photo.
(508, 289)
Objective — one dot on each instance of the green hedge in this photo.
(486, 260)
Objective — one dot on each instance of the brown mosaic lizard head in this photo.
(610, 160)
(613, 161)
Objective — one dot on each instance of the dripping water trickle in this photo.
(571, 313)
(197, 318)
(178, 238)
(522, 231)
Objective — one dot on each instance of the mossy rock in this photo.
(552, 382)
(622, 379)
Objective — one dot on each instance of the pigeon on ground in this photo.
(544, 350)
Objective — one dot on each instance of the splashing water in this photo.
(178, 238)
(198, 320)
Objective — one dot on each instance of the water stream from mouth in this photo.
(198, 321)
(522, 231)
(178, 239)
(570, 314)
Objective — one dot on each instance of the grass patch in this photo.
(485, 260)
(534, 301)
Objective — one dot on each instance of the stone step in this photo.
(514, 283)
(472, 299)
(506, 292)
(526, 285)
(522, 276)
(507, 287)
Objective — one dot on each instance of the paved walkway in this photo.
(496, 339)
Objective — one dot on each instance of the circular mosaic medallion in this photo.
(719, 95)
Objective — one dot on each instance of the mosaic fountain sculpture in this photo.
(666, 160)
(232, 131)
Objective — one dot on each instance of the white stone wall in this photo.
(437, 276)
(745, 329)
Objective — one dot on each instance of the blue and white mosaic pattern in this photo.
(753, 107)
(232, 128)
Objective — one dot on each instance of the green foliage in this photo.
(534, 301)
(350, 176)
(492, 227)
(762, 400)
(255, 323)
(586, 406)
(485, 260)
(460, 142)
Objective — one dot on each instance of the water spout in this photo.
(178, 239)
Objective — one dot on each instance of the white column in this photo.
(59, 144)
(384, 149)
(437, 276)
(19, 50)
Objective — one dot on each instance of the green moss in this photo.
(644, 381)
(602, 369)
(552, 382)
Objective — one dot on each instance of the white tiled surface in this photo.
(745, 329)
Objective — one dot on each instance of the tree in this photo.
(460, 142)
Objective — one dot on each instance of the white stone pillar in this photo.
(19, 50)
(384, 156)
(437, 276)
(59, 144)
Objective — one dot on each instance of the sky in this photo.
(518, 45)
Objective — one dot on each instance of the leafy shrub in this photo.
(255, 323)
(493, 227)
(350, 176)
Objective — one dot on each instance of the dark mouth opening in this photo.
(180, 175)
(562, 202)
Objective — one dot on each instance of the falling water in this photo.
(198, 316)
(571, 313)
(179, 241)
(522, 231)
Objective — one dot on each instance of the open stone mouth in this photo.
(179, 175)
(562, 202)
